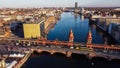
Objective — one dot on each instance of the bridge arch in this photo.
(41, 52)
(35, 52)
(79, 56)
(59, 54)
(53, 52)
(45, 52)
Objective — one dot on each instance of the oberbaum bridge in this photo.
(90, 53)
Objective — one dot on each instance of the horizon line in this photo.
(69, 7)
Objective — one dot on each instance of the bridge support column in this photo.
(39, 50)
(68, 54)
(32, 50)
(106, 48)
(51, 52)
(37, 42)
(91, 55)
(70, 44)
(29, 44)
(44, 43)
(24, 42)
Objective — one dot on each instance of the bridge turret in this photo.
(71, 36)
(89, 38)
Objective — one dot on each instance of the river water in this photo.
(45, 60)
(80, 27)
(60, 31)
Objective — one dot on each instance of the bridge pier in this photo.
(52, 52)
(70, 44)
(35, 43)
(19, 41)
(91, 55)
(44, 43)
(68, 53)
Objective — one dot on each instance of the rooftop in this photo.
(35, 21)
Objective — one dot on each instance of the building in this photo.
(33, 28)
(1, 26)
(117, 9)
(48, 21)
(114, 20)
(76, 10)
(2, 63)
(76, 5)
(110, 20)
(115, 32)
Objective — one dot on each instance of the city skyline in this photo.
(57, 3)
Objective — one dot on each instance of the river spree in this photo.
(78, 24)
(60, 31)
(45, 60)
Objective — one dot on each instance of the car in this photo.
(90, 49)
(17, 43)
(71, 47)
(111, 52)
(105, 51)
(47, 46)
(58, 46)
(77, 48)
(28, 44)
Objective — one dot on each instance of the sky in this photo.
(57, 3)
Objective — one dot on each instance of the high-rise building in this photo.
(76, 10)
(76, 4)
(37, 29)
(33, 29)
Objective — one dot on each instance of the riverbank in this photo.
(23, 60)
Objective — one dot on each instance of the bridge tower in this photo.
(71, 36)
(89, 39)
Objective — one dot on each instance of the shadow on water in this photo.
(59, 60)
(57, 54)
(35, 53)
(115, 62)
(61, 55)
(99, 59)
(100, 62)
(79, 57)
(104, 33)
